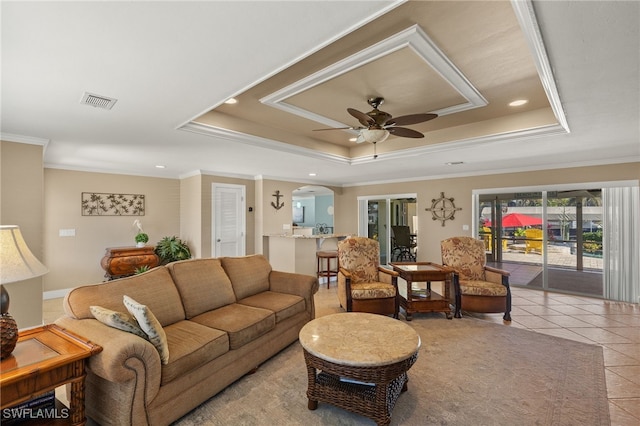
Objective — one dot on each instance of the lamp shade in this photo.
(17, 263)
(374, 135)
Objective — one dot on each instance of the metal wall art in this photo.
(277, 205)
(443, 208)
(104, 204)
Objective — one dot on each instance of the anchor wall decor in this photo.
(277, 205)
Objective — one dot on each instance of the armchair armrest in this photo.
(344, 272)
(388, 276)
(495, 275)
(500, 276)
(388, 271)
(344, 289)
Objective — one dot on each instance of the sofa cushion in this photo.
(249, 274)
(203, 285)
(154, 289)
(242, 323)
(191, 345)
(284, 305)
(150, 325)
(120, 320)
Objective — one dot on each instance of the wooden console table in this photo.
(44, 358)
(427, 300)
(121, 262)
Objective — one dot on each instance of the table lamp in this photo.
(17, 263)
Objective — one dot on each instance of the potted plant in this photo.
(142, 269)
(171, 249)
(141, 239)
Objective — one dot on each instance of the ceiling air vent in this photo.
(98, 101)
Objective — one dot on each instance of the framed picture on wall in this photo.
(298, 214)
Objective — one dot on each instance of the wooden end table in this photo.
(44, 358)
(427, 300)
(358, 361)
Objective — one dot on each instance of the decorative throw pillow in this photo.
(120, 320)
(150, 325)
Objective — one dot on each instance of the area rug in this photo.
(468, 372)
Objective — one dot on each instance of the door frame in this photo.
(241, 224)
(363, 215)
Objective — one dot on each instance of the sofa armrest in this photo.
(301, 285)
(125, 357)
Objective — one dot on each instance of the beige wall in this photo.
(432, 232)
(76, 260)
(191, 213)
(21, 203)
(43, 201)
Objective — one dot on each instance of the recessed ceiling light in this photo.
(312, 174)
(231, 101)
(159, 166)
(454, 163)
(353, 139)
(518, 102)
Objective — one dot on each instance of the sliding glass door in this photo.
(547, 239)
(379, 214)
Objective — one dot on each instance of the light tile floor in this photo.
(614, 326)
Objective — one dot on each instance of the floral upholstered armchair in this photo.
(478, 288)
(364, 286)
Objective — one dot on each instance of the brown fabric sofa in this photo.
(222, 318)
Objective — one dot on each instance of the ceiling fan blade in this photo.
(363, 118)
(410, 119)
(404, 132)
(336, 128)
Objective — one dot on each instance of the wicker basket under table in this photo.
(374, 397)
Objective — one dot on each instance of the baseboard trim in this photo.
(55, 294)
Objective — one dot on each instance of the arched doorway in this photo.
(312, 210)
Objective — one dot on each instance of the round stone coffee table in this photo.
(358, 362)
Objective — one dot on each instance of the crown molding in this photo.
(527, 18)
(231, 135)
(10, 137)
(496, 139)
(507, 137)
(413, 37)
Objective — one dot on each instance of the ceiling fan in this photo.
(377, 125)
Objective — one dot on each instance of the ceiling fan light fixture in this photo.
(374, 135)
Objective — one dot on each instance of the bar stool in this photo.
(328, 272)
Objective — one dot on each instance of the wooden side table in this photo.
(427, 301)
(121, 262)
(44, 358)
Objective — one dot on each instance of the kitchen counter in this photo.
(297, 253)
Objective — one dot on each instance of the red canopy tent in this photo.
(517, 220)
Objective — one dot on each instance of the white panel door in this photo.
(229, 220)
